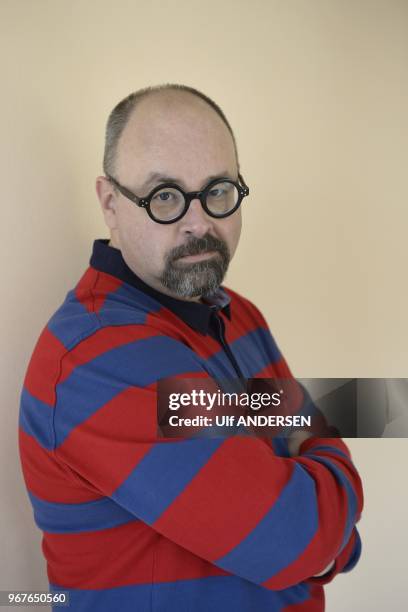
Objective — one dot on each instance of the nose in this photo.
(196, 222)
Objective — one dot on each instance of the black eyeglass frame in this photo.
(243, 191)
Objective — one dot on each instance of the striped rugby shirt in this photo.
(134, 522)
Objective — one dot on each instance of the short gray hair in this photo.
(119, 117)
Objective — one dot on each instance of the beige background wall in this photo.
(317, 92)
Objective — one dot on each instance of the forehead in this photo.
(177, 134)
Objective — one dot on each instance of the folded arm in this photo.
(232, 501)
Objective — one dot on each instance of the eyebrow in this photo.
(159, 177)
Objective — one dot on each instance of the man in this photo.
(133, 521)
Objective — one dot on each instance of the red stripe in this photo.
(348, 469)
(128, 554)
(279, 369)
(84, 287)
(116, 438)
(93, 288)
(44, 366)
(176, 563)
(225, 485)
(101, 559)
(48, 478)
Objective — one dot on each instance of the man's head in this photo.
(170, 134)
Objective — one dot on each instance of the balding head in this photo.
(168, 94)
(177, 135)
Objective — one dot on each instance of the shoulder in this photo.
(105, 330)
(98, 301)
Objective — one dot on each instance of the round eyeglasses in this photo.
(168, 203)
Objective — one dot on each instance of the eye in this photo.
(217, 192)
(164, 196)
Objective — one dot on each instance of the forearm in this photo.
(295, 440)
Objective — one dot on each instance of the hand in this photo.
(295, 439)
(327, 569)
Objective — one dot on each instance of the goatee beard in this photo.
(201, 278)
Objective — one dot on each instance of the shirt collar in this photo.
(196, 314)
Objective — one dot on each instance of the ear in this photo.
(108, 200)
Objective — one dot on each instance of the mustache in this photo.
(196, 246)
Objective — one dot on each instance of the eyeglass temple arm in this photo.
(129, 194)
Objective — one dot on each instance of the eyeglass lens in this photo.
(168, 203)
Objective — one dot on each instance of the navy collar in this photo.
(196, 314)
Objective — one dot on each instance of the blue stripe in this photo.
(331, 449)
(127, 295)
(72, 322)
(253, 352)
(55, 517)
(281, 536)
(213, 593)
(139, 363)
(162, 475)
(127, 305)
(351, 496)
(36, 419)
(280, 446)
(355, 555)
(219, 366)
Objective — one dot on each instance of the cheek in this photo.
(134, 237)
(145, 243)
(130, 232)
(233, 231)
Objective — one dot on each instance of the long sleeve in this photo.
(272, 520)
